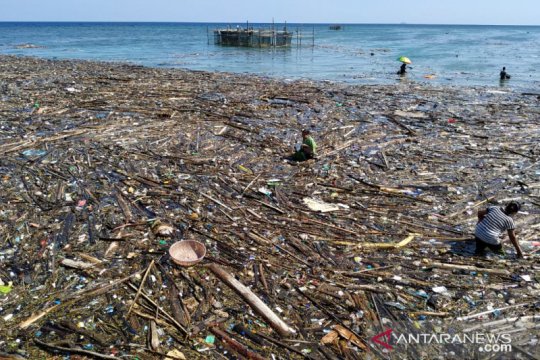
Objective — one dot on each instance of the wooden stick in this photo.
(227, 215)
(235, 345)
(469, 207)
(430, 313)
(144, 315)
(75, 350)
(35, 318)
(344, 146)
(469, 268)
(216, 201)
(263, 278)
(330, 226)
(140, 286)
(124, 206)
(251, 183)
(253, 213)
(81, 265)
(384, 158)
(73, 298)
(154, 338)
(159, 308)
(398, 245)
(271, 206)
(254, 302)
(243, 331)
(472, 316)
(277, 342)
(383, 289)
(400, 124)
(292, 255)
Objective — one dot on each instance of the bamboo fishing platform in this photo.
(250, 37)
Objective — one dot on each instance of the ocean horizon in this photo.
(261, 23)
(455, 55)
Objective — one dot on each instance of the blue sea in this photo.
(358, 53)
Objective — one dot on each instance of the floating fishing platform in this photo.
(250, 37)
(335, 27)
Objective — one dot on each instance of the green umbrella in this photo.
(405, 60)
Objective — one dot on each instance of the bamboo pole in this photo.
(254, 302)
(469, 268)
(235, 345)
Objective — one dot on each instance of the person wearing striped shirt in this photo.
(492, 222)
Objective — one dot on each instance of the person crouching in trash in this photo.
(308, 149)
(491, 224)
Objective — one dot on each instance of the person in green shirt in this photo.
(308, 150)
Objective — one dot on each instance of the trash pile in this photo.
(103, 167)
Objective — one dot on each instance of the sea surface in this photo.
(358, 53)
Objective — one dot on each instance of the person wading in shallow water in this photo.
(491, 224)
(504, 75)
(308, 149)
(402, 69)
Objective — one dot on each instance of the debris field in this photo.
(104, 166)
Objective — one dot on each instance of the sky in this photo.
(489, 12)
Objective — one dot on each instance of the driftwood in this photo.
(254, 302)
(75, 350)
(148, 269)
(469, 268)
(159, 309)
(74, 298)
(77, 264)
(235, 345)
(472, 316)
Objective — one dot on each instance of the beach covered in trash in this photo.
(104, 166)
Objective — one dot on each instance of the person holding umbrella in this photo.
(403, 68)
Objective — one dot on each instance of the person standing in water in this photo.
(403, 69)
(503, 74)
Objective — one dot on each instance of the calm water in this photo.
(458, 55)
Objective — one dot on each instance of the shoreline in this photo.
(352, 80)
(277, 78)
(93, 154)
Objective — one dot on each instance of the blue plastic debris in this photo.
(33, 152)
(210, 339)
